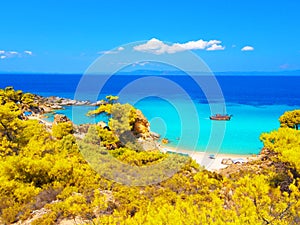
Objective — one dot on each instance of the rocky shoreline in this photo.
(51, 103)
(44, 105)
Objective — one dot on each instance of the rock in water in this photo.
(165, 141)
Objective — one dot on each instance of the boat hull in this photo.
(220, 118)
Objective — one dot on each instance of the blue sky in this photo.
(66, 36)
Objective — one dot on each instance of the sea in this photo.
(177, 107)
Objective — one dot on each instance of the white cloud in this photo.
(13, 54)
(28, 52)
(247, 48)
(158, 47)
(153, 46)
(215, 47)
(111, 51)
(107, 52)
(144, 63)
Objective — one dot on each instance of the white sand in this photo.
(204, 159)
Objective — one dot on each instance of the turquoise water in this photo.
(241, 132)
(192, 131)
(256, 103)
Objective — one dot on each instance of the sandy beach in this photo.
(210, 161)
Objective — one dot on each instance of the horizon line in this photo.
(165, 73)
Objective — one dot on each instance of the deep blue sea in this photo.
(178, 108)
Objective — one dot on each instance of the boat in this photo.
(220, 117)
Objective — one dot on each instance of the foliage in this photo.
(10, 95)
(10, 122)
(123, 117)
(23, 100)
(121, 121)
(61, 130)
(137, 158)
(290, 119)
(28, 100)
(92, 136)
(112, 99)
(97, 135)
(105, 108)
(286, 143)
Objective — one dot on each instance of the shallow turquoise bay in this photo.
(192, 131)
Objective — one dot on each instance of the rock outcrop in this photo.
(227, 161)
(48, 104)
(141, 130)
(62, 101)
(141, 126)
(60, 118)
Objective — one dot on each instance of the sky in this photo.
(66, 36)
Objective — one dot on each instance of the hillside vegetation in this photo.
(44, 178)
